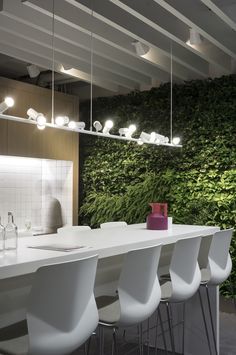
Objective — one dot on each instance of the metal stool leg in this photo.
(114, 343)
(170, 328)
(211, 318)
(156, 332)
(162, 331)
(87, 346)
(148, 336)
(183, 339)
(232, 288)
(101, 341)
(204, 319)
(140, 330)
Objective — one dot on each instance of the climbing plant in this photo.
(198, 181)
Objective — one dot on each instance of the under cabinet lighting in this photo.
(62, 120)
(97, 125)
(38, 117)
(8, 102)
(107, 127)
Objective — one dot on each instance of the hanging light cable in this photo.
(176, 140)
(53, 61)
(91, 70)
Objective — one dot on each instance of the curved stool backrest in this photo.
(72, 229)
(62, 312)
(219, 260)
(138, 287)
(184, 270)
(113, 224)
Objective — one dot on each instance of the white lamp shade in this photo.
(194, 38)
(33, 70)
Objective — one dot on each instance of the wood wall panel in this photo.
(3, 137)
(26, 140)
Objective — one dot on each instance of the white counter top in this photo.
(105, 243)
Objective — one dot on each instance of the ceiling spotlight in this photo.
(8, 102)
(62, 120)
(97, 125)
(176, 140)
(33, 70)
(140, 48)
(38, 117)
(194, 38)
(76, 125)
(107, 127)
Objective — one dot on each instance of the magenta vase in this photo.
(158, 218)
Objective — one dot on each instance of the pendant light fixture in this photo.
(64, 122)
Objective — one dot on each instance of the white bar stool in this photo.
(61, 313)
(138, 296)
(215, 270)
(113, 224)
(182, 282)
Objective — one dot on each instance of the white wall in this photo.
(28, 184)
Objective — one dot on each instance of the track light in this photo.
(38, 117)
(107, 127)
(33, 70)
(123, 131)
(140, 142)
(97, 125)
(62, 120)
(132, 128)
(8, 102)
(140, 48)
(194, 37)
(154, 138)
(127, 132)
(76, 125)
(176, 140)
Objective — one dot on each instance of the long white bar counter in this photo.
(104, 242)
(17, 270)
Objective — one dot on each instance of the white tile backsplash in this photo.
(28, 185)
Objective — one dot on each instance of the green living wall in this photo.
(198, 181)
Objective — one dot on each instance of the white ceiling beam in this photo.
(43, 51)
(163, 21)
(39, 21)
(45, 39)
(221, 14)
(122, 20)
(27, 57)
(121, 37)
(197, 16)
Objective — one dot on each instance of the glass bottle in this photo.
(11, 234)
(2, 236)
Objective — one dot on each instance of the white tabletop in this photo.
(104, 242)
